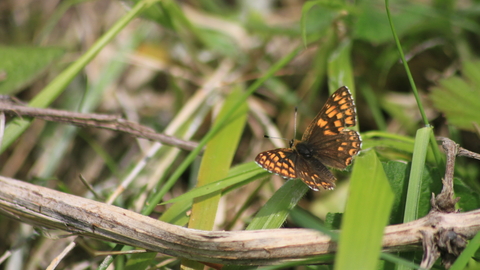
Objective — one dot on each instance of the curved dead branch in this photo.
(48, 208)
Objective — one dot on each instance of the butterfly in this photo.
(326, 142)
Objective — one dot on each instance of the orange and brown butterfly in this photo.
(326, 142)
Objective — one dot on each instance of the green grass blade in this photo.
(400, 261)
(274, 213)
(216, 162)
(467, 253)
(23, 64)
(306, 220)
(416, 173)
(414, 189)
(365, 215)
(340, 71)
(177, 213)
(374, 107)
(250, 171)
(405, 64)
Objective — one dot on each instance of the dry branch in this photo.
(104, 121)
(48, 208)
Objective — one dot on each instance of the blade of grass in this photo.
(374, 107)
(405, 64)
(436, 151)
(24, 64)
(303, 262)
(241, 174)
(394, 141)
(412, 202)
(306, 220)
(55, 88)
(250, 171)
(274, 213)
(400, 261)
(215, 164)
(365, 217)
(416, 173)
(340, 71)
(467, 253)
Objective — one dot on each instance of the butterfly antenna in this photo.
(295, 125)
(290, 142)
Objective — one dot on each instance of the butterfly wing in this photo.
(337, 113)
(289, 164)
(333, 144)
(314, 174)
(280, 161)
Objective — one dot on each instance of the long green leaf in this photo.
(366, 215)
(467, 253)
(249, 172)
(23, 64)
(405, 64)
(216, 162)
(274, 213)
(340, 70)
(416, 173)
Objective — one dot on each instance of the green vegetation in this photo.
(224, 74)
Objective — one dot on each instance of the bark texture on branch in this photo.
(48, 208)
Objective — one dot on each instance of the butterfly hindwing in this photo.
(339, 150)
(314, 174)
(286, 163)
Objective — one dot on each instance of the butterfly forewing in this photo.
(334, 144)
(337, 113)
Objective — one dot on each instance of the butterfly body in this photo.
(326, 142)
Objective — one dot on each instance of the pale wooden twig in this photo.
(48, 208)
(104, 121)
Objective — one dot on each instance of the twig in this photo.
(447, 243)
(445, 201)
(48, 208)
(111, 122)
(60, 257)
